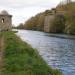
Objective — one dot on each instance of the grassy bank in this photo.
(21, 59)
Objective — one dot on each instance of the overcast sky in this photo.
(24, 9)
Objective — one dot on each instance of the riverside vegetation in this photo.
(21, 59)
(67, 25)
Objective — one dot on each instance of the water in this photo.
(57, 52)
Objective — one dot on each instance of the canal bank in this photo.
(63, 36)
(21, 59)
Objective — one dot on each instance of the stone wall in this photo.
(48, 22)
(5, 22)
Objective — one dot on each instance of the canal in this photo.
(57, 52)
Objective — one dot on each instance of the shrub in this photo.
(58, 24)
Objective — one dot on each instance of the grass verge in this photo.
(21, 59)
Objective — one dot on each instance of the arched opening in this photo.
(3, 20)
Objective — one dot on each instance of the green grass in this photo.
(21, 59)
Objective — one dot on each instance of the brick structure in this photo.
(5, 21)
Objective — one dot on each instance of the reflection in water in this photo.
(57, 52)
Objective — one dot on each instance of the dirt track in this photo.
(1, 54)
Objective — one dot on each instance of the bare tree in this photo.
(62, 2)
(68, 1)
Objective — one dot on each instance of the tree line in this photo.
(63, 23)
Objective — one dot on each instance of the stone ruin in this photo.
(5, 21)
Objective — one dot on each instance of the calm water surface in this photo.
(57, 52)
